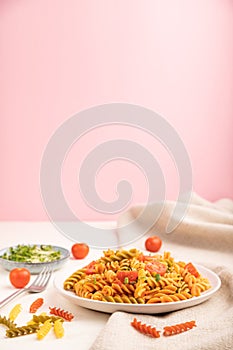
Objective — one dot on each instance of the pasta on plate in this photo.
(129, 276)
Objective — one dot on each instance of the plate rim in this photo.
(191, 302)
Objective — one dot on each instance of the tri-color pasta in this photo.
(129, 276)
(39, 324)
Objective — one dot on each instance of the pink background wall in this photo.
(60, 57)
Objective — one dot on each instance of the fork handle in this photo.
(12, 296)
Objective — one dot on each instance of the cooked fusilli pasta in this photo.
(128, 276)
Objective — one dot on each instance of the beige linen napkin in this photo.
(205, 236)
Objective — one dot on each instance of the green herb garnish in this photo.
(157, 277)
(126, 280)
(31, 253)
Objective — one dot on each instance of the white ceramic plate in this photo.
(139, 308)
(35, 268)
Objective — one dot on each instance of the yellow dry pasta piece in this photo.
(58, 329)
(15, 312)
(44, 330)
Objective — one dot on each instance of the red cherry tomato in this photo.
(19, 277)
(153, 243)
(79, 250)
(145, 258)
(127, 276)
(156, 267)
(90, 268)
(192, 269)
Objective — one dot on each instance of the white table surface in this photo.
(82, 331)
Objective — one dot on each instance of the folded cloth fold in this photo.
(214, 319)
(206, 227)
(205, 236)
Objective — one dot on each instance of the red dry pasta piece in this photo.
(68, 316)
(178, 328)
(145, 329)
(36, 305)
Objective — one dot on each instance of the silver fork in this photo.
(37, 286)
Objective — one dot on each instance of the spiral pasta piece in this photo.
(117, 298)
(44, 318)
(24, 330)
(7, 322)
(58, 329)
(119, 255)
(178, 328)
(44, 330)
(73, 278)
(145, 329)
(66, 315)
(15, 312)
(36, 305)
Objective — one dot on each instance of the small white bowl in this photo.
(35, 268)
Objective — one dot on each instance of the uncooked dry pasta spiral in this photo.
(44, 318)
(178, 328)
(59, 329)
(44, 329)
(36, 305)
(66, 315)
(145, 329)
(7, 322)
(15, 312)
(24, 330)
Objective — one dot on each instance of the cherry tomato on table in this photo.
(79, 250)
(153, 243)
(19, 277)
